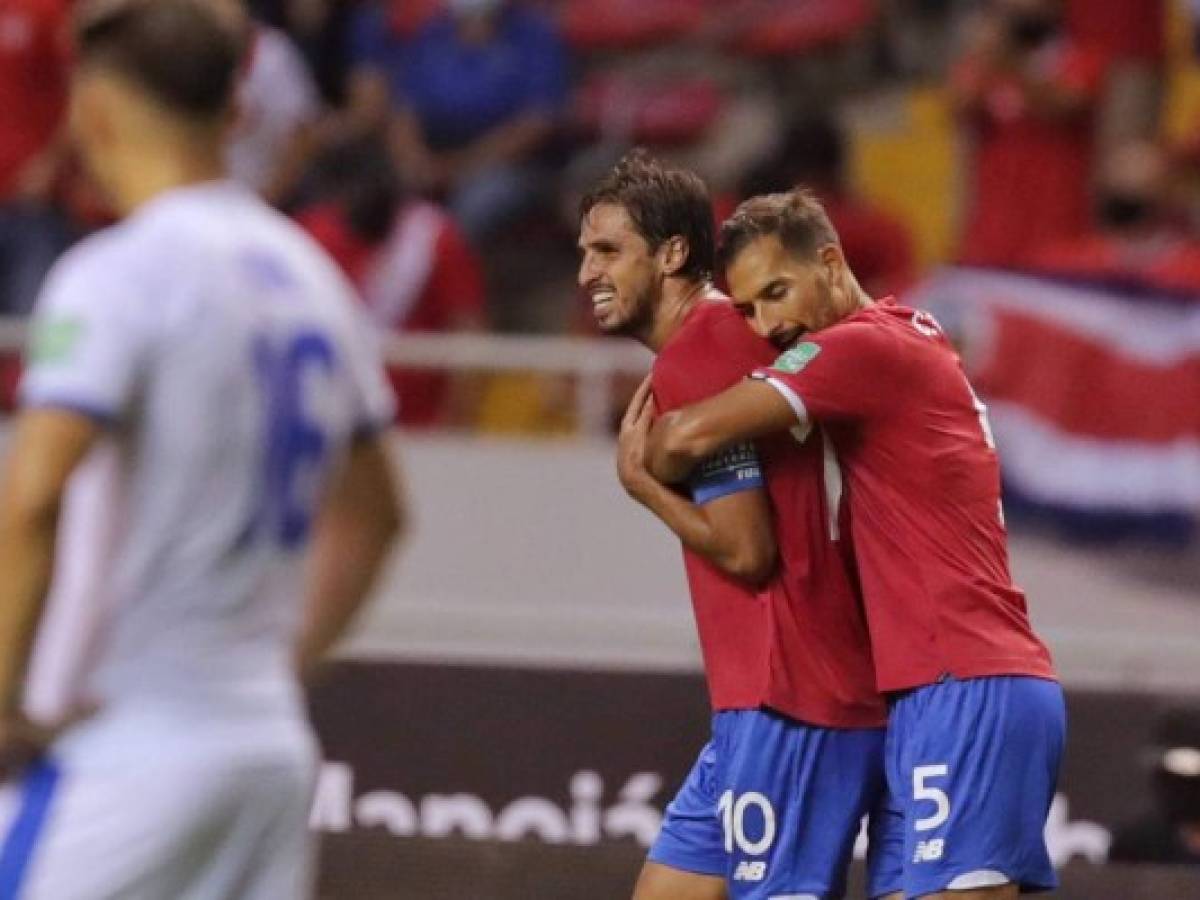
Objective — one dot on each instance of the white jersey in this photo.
(227, 357)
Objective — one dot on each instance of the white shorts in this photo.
(122, 810)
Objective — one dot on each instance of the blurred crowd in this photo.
(437, 148)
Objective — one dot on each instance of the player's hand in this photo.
(632, 440)
(23, 742)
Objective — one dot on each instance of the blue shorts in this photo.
(774, 806)
(971, 770)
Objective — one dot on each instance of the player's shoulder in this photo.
(882, 325)
(97, 264)
(713, 350)
(715, 334)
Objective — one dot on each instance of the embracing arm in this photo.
(749, 410)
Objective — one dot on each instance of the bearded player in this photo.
(774, 802)
(977, 720)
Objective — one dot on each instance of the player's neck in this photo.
(679, 299)
(856, 299)
(165, 166)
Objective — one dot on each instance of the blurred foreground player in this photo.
(774, 802)
(200, 408)
(977, 720)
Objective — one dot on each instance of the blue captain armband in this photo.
(728, 472)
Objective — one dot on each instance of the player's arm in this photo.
(47, 446)
(87, 346)
(360, 519)
(730, 526)
(681, 439)
(847, 373)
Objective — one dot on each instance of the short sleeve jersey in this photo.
(799, 645)
(924, 488)
(224, 353)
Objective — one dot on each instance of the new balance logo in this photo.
(929, 851)
(750, 871)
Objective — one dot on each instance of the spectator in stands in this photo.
(877, 244)
(318, 28)
(1131, 36)
(278, 108)
(411, 264)
(1025, 93)
(474, 98)
(1171, 833)
(33, 77)
(1139, 239)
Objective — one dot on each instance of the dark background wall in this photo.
(495, 783)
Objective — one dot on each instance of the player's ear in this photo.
(675, 254)
(833, 260)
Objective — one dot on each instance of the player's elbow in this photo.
(30, 511)
(753, 564)
(680, 445)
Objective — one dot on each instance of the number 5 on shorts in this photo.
(923, 791)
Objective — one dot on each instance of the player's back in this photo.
(798, 645)
(223, 350)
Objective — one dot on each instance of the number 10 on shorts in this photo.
(733, 822)
(924, 791)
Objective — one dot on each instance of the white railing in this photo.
(593, 362)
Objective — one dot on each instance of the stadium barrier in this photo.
(593, 363)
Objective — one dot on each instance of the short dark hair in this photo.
(184, 53)
(796, 217)
(663, 203)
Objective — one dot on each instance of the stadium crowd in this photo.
(438, 149)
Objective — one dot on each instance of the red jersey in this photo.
(924, 493)
(799, 645)
(33, 81)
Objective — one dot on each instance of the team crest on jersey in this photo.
(797, 358)
(53, 341)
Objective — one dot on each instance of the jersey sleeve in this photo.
(689, 374)
(852, 371)
(89, 341)
(731, 471)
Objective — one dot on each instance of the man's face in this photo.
(782, 295)
(622, 276)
